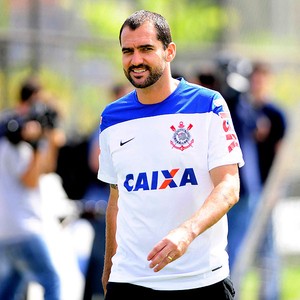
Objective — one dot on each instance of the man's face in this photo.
(144, 58)
(260, 85)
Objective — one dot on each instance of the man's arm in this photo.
(224, 195)
(110, 243)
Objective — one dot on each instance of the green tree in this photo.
(192, 22)
(4, 7)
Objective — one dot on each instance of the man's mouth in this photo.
(138, 69)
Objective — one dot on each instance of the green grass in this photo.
(290, 280)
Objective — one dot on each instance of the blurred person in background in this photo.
(271, 122)
(271, 129)
(28, 148)
(261, 125)
(94, 207)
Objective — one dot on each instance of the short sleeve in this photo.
(106, 171)
(224, 147)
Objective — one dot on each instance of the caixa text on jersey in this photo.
(160, 179)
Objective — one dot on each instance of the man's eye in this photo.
(126, 51)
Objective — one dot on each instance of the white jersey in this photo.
(160, 156)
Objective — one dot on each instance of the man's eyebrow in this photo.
(145, 46)
(138, 47)
(126, 49)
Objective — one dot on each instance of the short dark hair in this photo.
(261, 67)
(29, 87)
(138, 18)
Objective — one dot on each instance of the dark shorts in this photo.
(218, 291)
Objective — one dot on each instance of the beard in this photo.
(153, 77)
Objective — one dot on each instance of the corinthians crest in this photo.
(181, 138)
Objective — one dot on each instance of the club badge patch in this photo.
(181, 138)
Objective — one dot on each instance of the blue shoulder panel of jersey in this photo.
(188, 98)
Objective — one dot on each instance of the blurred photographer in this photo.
(29, 144)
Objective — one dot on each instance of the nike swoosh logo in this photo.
(125, 142)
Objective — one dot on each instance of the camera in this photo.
(12, 123)
(44, 114)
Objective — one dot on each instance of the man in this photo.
(262, 124)
(170, 154)
(272, 122)
(271, 130)
(26, 151)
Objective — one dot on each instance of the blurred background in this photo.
(72, 46)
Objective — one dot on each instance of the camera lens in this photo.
(13, 126)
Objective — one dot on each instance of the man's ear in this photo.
(171, 52)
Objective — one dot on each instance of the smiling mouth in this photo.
(138, 69)
(138, 73)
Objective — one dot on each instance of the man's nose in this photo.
(137, 59)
